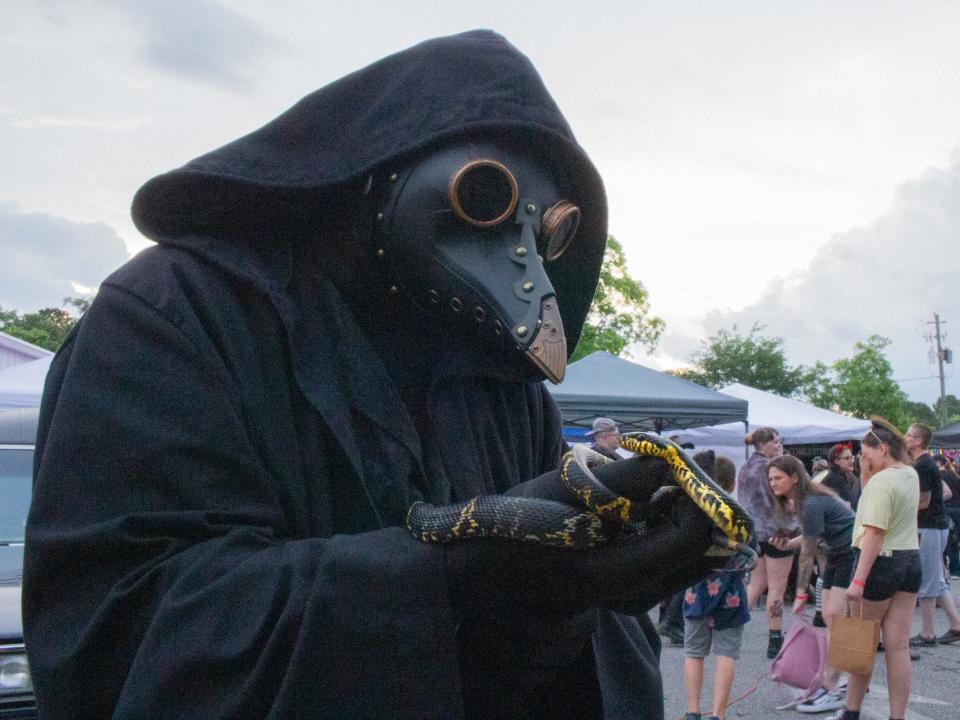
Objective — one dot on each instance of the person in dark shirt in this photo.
(952, 507)
(951, 479)
(840, 478)
(933, 527)
(826, 518)
(347, 311)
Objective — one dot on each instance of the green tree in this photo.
(752, 359)
(950, 407)
(863, 384)
(620, 313)
(918, 412)
(45, 328)
(818, 387)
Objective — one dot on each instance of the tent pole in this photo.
(746, 448)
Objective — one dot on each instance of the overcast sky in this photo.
(793, 164)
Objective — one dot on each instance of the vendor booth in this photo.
(947, 437)
(798, 423)
(22, 385)
(638, 398)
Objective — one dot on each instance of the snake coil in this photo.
(602, 513)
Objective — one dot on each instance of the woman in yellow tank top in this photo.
(886, 574)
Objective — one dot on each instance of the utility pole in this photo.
(943, 354)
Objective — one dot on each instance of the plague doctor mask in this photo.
(468, 232)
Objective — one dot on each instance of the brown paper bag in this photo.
(853, 644)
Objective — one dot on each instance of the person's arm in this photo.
(947, 492)
(924, 500)
(168, 572)
(160, 531)
(781, 542)
(808, 551)
(870, 547)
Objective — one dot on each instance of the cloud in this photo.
(48, 258)
(199, 40)
(73, 122)
(886, 278)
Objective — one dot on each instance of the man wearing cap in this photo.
(606, 437)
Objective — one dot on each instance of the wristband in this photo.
(801, 596)
(861, 583)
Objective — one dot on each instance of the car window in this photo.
(16, 481)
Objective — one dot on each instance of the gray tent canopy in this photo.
(947, 437)
(639, 398)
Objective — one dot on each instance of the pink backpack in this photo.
(802, 660)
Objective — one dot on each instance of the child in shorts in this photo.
(714, 611)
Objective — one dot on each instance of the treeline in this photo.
(46, 328)
(861, 385)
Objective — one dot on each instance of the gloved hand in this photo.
(630, 573)
(636, 478)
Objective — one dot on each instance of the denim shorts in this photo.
(698, 636)
(898, 572)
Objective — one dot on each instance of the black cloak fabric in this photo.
(226, 454)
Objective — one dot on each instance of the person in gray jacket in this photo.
(773, 569)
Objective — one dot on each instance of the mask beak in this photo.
(548, 348)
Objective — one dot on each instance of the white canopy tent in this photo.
(798, 423)
(22, 385)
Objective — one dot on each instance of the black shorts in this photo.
(838, 571)
(771, 551)
(898, 573)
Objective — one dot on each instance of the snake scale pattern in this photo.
(601, 515)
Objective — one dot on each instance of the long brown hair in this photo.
(882, 431)
(805, 486)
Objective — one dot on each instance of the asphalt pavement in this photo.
(934, 695)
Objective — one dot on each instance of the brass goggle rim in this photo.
(552, 218)
(453, 192)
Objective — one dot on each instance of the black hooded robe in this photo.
(223, 467)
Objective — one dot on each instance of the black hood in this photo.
(278, 176)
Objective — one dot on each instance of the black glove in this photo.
(631, 573)
(636, 478)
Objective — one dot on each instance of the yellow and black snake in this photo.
(603, 514)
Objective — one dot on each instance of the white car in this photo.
(18, 430)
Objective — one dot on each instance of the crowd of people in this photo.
(873, 531)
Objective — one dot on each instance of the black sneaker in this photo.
(919, 640)
(776, 642)
(950, 636)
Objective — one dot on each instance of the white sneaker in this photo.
(823, 702)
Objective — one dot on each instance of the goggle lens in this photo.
(560, 224)
(483, 193)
